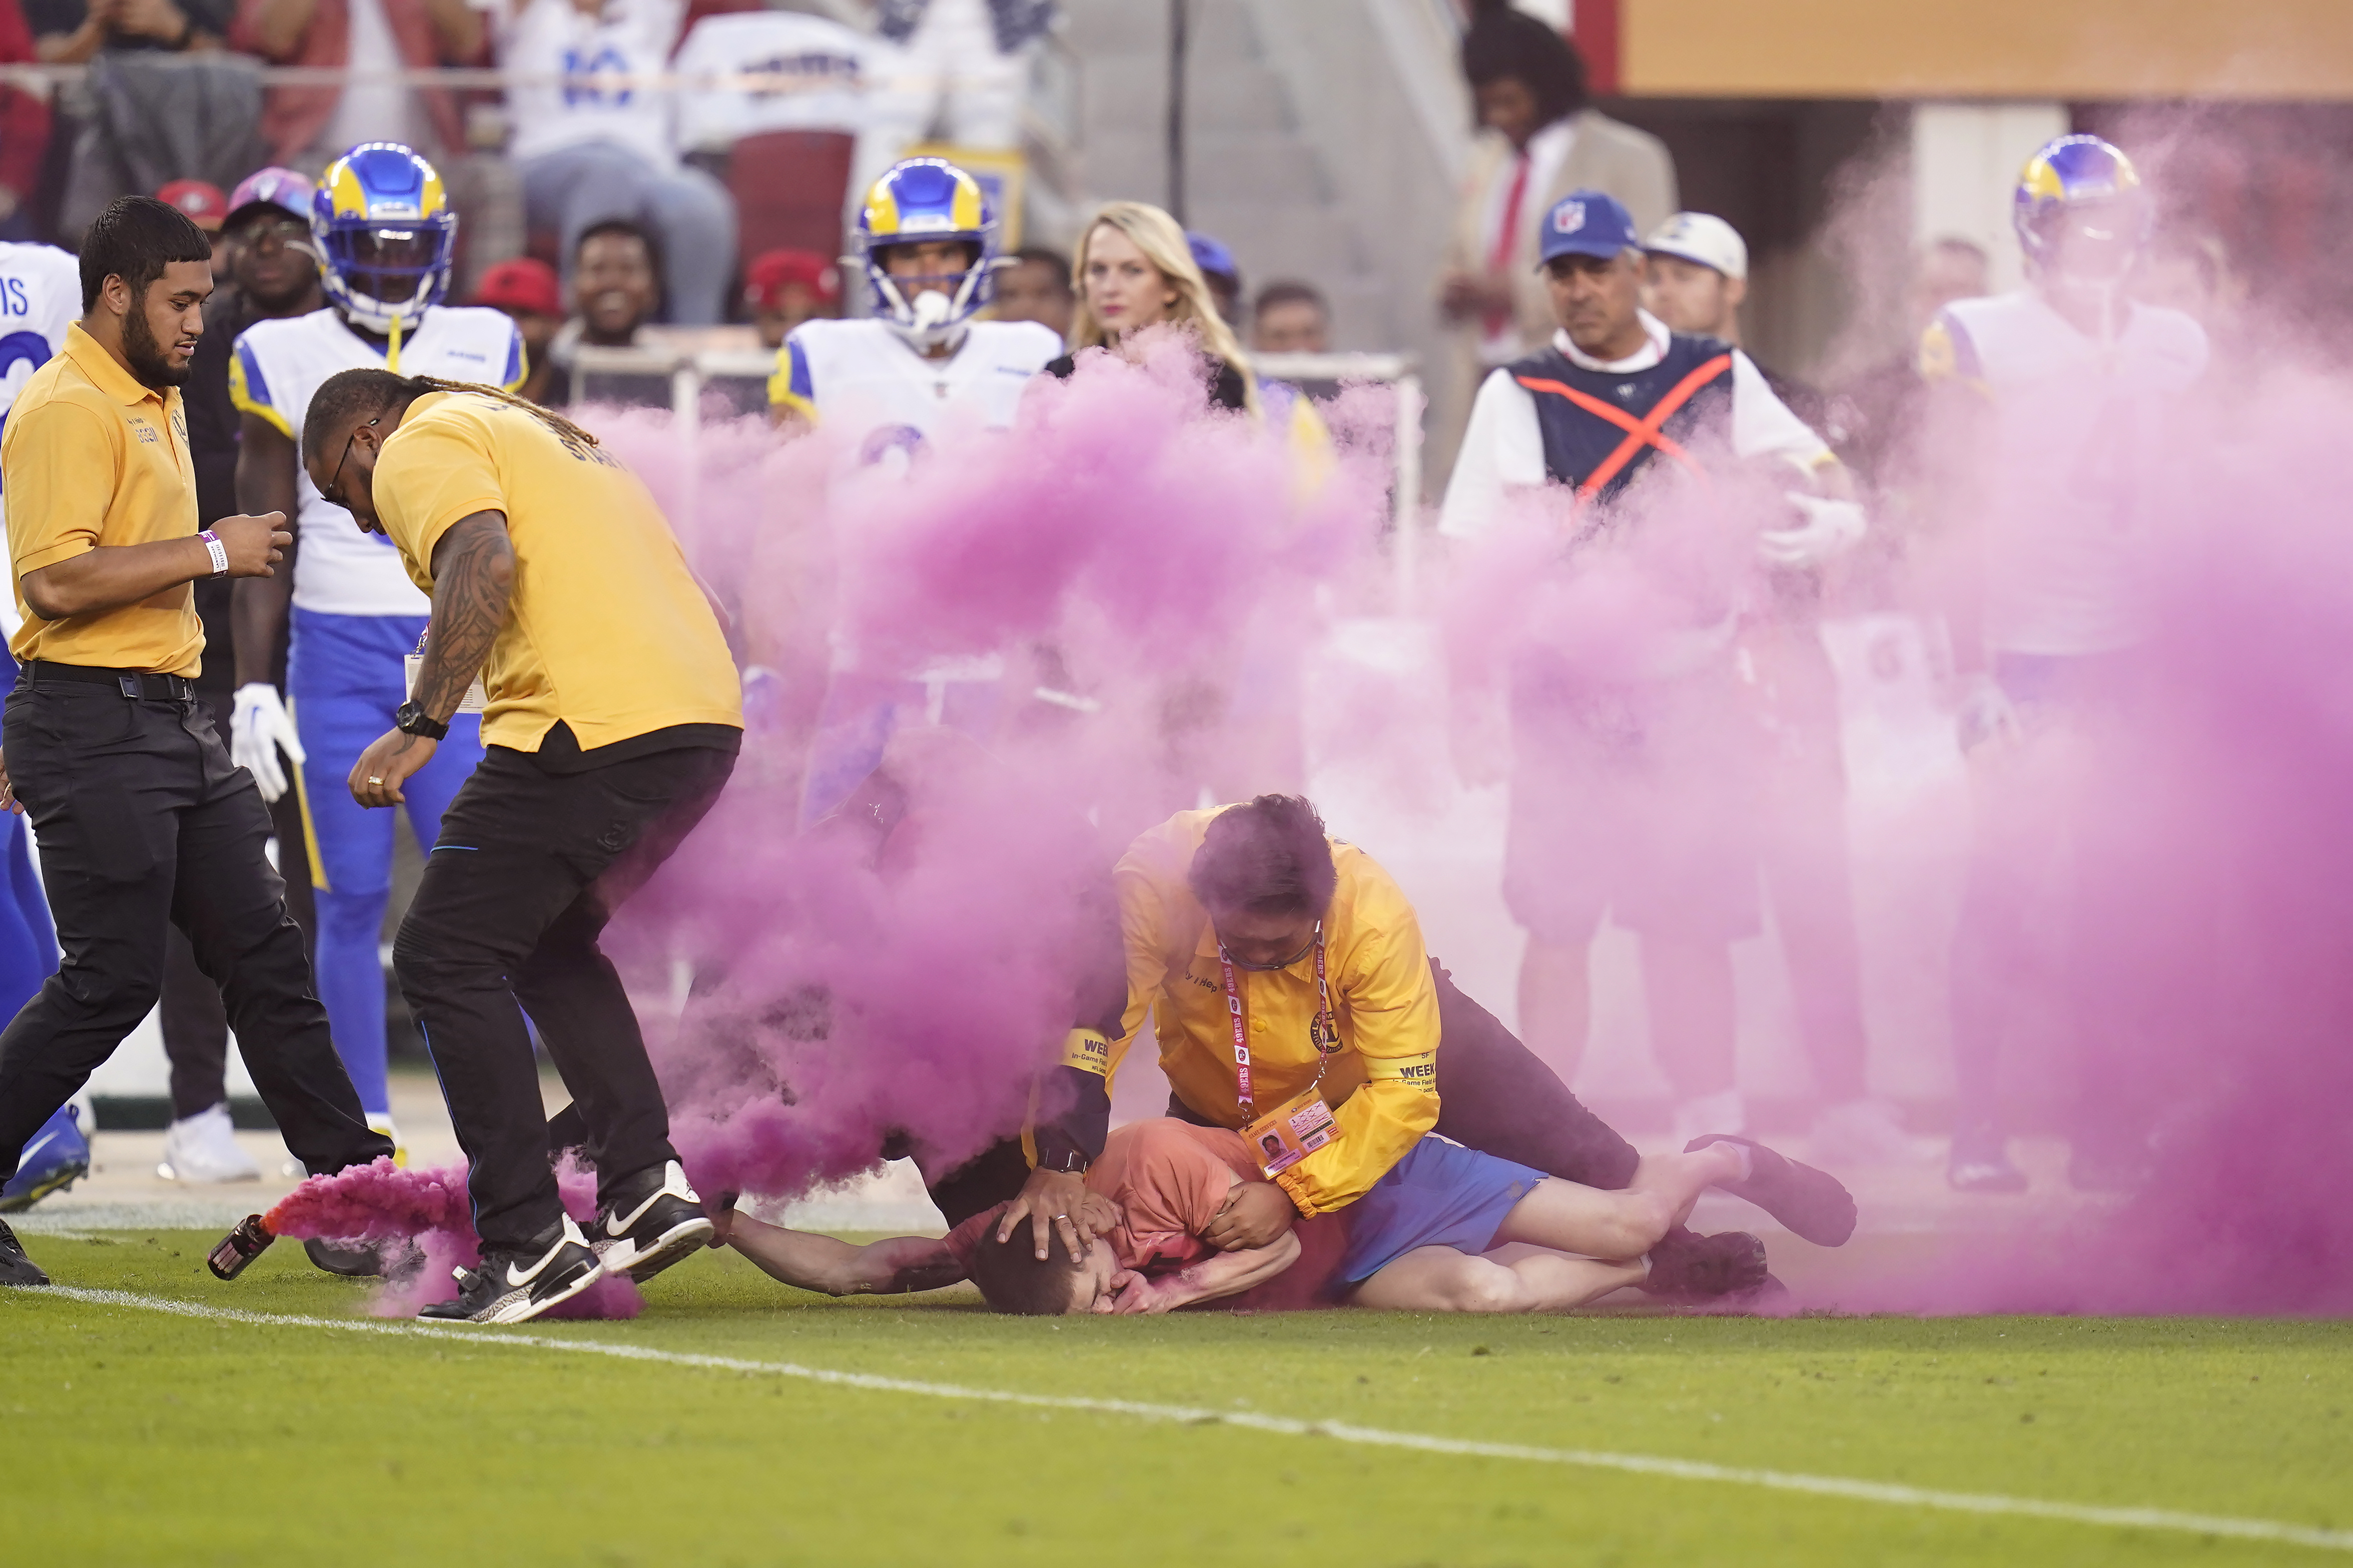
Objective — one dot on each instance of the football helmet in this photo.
(2080, 210)
(387, 237)
(926, 199)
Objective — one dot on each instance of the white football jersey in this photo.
(280, 365)
(2081, 444)
(861, 378)
(41, 296)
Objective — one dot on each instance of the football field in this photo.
(152, 1414)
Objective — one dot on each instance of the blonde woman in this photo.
(1134, 269)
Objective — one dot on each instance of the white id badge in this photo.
(476, 699)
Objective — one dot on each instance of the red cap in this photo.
(771, 270)
(200, 199)
(525, 284)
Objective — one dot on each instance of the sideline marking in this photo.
(1371, 1437)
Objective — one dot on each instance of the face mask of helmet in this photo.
(928, 309)
(391, 265)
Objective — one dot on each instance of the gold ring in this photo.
(376, 781)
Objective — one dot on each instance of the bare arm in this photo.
(820, 1263)
(1226, 1274)
(265, 483)
(109, 576)
(473, 580)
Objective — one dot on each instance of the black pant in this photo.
(1498, 1096)
(530, 867)
(195, 1023)
(145, 825)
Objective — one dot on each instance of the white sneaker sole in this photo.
(520, 1308)
(672, 1246)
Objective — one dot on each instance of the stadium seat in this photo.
(789, 187)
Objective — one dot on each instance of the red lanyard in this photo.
(1325, 1026)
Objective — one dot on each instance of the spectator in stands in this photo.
(526, 288)
(1037, 287)
(1290, 318)
(617, 282)
(205, 207)
(1538, 141)
(944, 70)
(593, 146)
(24, 127)
(1221, 272)
(311, 125)
(271, 271)
(70, 32)
(784, 288)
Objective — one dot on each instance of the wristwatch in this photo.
(411, 720)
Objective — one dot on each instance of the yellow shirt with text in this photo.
(93, 458)
(1383, 1080)
(608, 629)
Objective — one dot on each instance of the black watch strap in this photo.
(411, 720)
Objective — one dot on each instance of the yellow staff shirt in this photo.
(92, 458)
(1383, 1079)
(607, 630)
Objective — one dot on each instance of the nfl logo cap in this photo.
(1588, 222)
(1702, 237)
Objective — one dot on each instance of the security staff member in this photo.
(613, 719)
(1633, 796)
(143, 821)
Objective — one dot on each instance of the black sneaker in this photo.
(1686, 1266)
(651, 1221)
(1980, 1163)
(16, 1268)
(516, 1287)
(351, 1259)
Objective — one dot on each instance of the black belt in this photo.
(134, 684)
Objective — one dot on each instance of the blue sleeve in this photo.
(515, 369)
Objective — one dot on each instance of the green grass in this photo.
(133, 1437)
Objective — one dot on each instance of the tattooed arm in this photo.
(473, 579)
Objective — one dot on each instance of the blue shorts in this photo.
(1439, 1194)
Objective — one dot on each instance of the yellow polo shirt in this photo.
(92, 458)
(608, 629)
(1384, 1080)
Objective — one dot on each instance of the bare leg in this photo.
(1688, 985)
(1556, 1002)
(1509, 1279)
(1567, 1217)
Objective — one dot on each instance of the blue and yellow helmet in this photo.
(926, 199)
(2080, 180)
(386, 236)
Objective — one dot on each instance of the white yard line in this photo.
(1988, 1503)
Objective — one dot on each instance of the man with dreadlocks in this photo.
(612, 716)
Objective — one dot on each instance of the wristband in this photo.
(217, 550)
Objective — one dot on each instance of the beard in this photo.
(150, 365)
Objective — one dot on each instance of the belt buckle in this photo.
(130, 686)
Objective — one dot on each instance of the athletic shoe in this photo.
(651, 1220)
(1813, 1204)
(201, 1150)
(57, 1157)
(16, 1268)
(1686, 1266)
(1979, 1163)
(383, 1124)
(514, 1286)
(352, 1261)
(1863, 1132)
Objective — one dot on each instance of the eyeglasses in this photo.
(331, 491)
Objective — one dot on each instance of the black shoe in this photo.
(1979, 1163)
(1813, 1204)
(649, 1221)
(352, 1261)
(516, 1287)
(1689, 1267)
(16, 1268)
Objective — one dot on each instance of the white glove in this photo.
(257, 731)
(1982, 712)
(1832, 527)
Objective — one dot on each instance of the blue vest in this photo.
(1579, 444)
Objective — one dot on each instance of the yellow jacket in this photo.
(1383, 1080)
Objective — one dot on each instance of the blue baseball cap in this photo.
(1588, 222)
(1211, 255)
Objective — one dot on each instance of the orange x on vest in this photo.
(1641, 433)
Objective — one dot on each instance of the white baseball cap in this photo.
(1702, 237)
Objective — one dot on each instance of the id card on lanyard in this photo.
(475, 701)
(1303, 1123)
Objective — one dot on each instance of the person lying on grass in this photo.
(1448, 1229)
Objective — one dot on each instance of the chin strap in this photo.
(392, 348)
